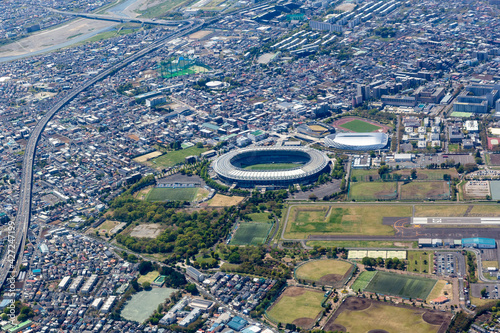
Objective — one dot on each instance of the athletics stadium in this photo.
(271, 166)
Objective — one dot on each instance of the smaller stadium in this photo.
(315, 129)
(271, 166)
(357, 141)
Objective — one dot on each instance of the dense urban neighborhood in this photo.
(250, 166)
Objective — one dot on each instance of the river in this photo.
(116, 10)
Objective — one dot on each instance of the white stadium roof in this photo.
(317, 162)
(357, 141)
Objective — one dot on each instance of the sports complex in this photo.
(271, 166)
(357, 141)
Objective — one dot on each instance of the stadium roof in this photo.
(317, 162)
(357, 141)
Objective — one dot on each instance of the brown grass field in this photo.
(425, 190)
(361, 315)
(147, 157)
(220, 200)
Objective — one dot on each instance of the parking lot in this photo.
(445, 264)
(489, 255)
(449, 264)
(491, 290)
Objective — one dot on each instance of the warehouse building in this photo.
(479, 243)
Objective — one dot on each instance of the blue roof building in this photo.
(479, 243)
(237, 323)
(4, 303)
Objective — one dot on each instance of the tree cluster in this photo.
(471, 267)
(185, 233)
(389, 263)
(250, 260)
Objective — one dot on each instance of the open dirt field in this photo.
(346, 7)
(200, 34)
(220, 200)
(146, 231)
(45, 39)
(495, 159)
(360, 315)
(437, 190)
(147, 157)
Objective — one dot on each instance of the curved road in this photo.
(14, 254)
(9, 263)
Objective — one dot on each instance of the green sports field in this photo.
(360, 126)
(371, 191)
(172, 158)
(363, 280)
(172, 194)
(251, 233)
(318, 269)
(363, 219)
(400, 285)
(421, 261)
(259, 217)
(299, 306)
(272, 166)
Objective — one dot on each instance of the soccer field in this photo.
(172, 194)
(251, 233)
(272, 166)
(400, 285)
(360, 126)
(172, 158)
(363, 280)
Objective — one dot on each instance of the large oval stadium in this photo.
(271, 166)
(357, 141)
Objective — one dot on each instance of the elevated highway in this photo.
(14, 254)
(123, 19)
